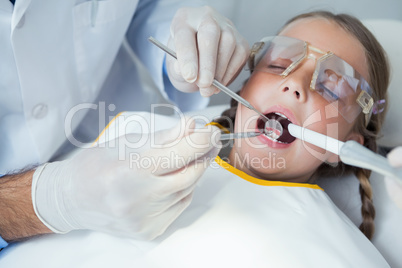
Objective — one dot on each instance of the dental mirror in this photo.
(273, 129)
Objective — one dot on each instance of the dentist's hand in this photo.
(125, 190)
(394, 188)
(207, 46)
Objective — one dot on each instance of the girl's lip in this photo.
(264, 139)
(286, 112)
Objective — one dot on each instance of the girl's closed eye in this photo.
(278, 66)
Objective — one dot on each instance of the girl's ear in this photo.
(352, 136)
(356, 137)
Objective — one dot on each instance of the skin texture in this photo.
(18, 219)
(292, 95)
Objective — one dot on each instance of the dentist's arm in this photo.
(208, 46)
(17, 217)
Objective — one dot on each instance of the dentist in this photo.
(64, 56)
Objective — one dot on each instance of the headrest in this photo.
(388, 33)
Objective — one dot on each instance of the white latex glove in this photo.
(138, 196)
(394, 188)
(207, 46)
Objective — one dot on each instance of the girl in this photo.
(302, 76)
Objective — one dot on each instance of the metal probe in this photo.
(239, 135)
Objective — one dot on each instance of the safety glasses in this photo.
(334, 79)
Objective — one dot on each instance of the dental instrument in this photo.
(350, 152)
(239, 135)
(273, 128)
(226, 90)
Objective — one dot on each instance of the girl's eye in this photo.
(276, 69)
(272, 66)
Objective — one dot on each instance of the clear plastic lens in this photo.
(278, 54)
(336, 82)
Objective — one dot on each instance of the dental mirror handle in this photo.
(239, 135)
(216, 83)
(350, 152)
(237, 97)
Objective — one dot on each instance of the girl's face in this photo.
(292, 97)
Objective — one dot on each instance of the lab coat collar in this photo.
(20, 8)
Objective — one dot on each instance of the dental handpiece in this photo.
(216, 83)
(350, 152)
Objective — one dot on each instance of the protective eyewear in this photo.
(333, 78)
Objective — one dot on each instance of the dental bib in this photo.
(233, 222)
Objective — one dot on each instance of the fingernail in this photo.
(207, 92)
(205, 79)
(189, 73)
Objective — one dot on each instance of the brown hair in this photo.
(378, 79)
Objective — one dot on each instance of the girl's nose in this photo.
(298, 94)
(297, 83)
(296, 88)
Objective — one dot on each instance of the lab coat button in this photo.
(39, 111)
(21, 22)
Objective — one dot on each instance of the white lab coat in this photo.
(55, 55)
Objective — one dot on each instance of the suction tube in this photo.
(350, 152)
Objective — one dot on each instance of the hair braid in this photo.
(367, 207)
(365, 190)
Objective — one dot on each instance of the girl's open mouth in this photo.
(281, 119)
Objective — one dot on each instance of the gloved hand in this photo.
(207, 46)
(138, 195)
(394, 188)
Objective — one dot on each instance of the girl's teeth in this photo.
(282, 115)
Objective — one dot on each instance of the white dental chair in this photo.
(91, 249)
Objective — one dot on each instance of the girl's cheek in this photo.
(255, 86)
(325, 119)
(242, 118)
